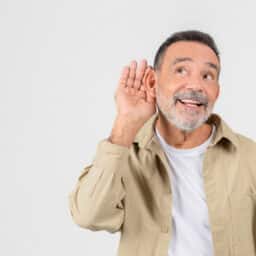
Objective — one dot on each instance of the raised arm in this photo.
(98, 199)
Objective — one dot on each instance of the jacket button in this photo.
(165, 229)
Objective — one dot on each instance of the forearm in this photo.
(96, 201)
(124, 131)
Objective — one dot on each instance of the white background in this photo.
(60, 62)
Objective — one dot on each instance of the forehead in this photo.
(194, 50)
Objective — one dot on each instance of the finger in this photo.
(143, 88)
(140, 73)
(142, 95)
(131, 77)
(124, 76)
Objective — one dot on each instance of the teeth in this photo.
(190, 101)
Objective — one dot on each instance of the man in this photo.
(172, 177)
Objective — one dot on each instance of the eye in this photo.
(181, 70)
(208, 76)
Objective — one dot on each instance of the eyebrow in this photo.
(177, 60)
(210, 64)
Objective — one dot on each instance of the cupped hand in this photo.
(132, 97)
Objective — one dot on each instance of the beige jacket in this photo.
(128, 190)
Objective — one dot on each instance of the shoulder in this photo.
(246, 144)
(247, 157)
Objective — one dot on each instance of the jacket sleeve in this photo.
(97, 201)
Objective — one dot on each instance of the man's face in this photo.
(187, 84)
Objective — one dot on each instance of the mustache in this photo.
(191, 95)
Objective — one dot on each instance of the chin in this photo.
(187, 125)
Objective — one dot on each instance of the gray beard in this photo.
(178, 120)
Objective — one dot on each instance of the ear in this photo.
(218, 91)
(149, 80)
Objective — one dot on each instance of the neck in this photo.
(181, 139)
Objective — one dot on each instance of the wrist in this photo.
(124, 131)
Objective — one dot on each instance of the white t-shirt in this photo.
(191, 234)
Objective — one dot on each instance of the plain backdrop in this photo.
(60, 61)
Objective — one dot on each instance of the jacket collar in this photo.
(224, 133)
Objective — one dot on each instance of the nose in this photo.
(194, 82)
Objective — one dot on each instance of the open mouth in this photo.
(190, 103)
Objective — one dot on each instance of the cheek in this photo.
(165, 90)
(213, 95)
(169, 89)
(164, 98)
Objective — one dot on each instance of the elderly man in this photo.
(172, 177)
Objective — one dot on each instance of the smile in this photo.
(190, 103)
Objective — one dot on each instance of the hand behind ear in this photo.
(134, 96)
